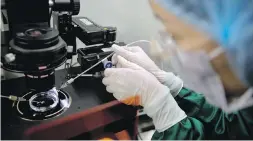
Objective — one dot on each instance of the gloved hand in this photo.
(133, 85)
(139, 57)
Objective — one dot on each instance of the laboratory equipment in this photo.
(71, 80)
(42, 37)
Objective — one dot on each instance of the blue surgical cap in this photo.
(229, 22)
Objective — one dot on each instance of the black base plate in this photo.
(85, 93)
(26, 113)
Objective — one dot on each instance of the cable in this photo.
(13, 98)
(137, 42)
(3, 96)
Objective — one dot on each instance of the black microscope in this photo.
(35, 47)
(40, 36)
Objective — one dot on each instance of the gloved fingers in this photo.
(114, 83)
(121, 51)
(109, 71)
(106, 81)
(114, 59)
(113, 80)
(115, 75)
(118, 95)
(112, 75)
(133, 48)
(109, 89)
(127, 64)
(118, 66)
(123, 63)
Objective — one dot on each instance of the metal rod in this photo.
(14, 98)
(3, 96)
(87, 75)
(71, 80)
(93, 66)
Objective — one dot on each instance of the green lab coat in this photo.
(205, 121)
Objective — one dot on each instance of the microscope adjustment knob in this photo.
(76, 7)
(10, 57)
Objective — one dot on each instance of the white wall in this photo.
(133, 18)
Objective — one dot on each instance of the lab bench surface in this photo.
(93, 112)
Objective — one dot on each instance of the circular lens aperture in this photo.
(44, 101)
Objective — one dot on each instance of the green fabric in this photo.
(205, 121)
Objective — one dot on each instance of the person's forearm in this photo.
(216, 124)
(174, 83)
(187, 129)
(167, 114)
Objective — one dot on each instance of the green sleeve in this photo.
(205, 121)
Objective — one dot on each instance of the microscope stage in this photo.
(85, 93)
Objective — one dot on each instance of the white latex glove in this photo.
(139, 57)
(133, 85)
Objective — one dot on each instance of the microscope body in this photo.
(35, 47)
(40, 37)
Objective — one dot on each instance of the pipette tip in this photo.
(64, 85)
